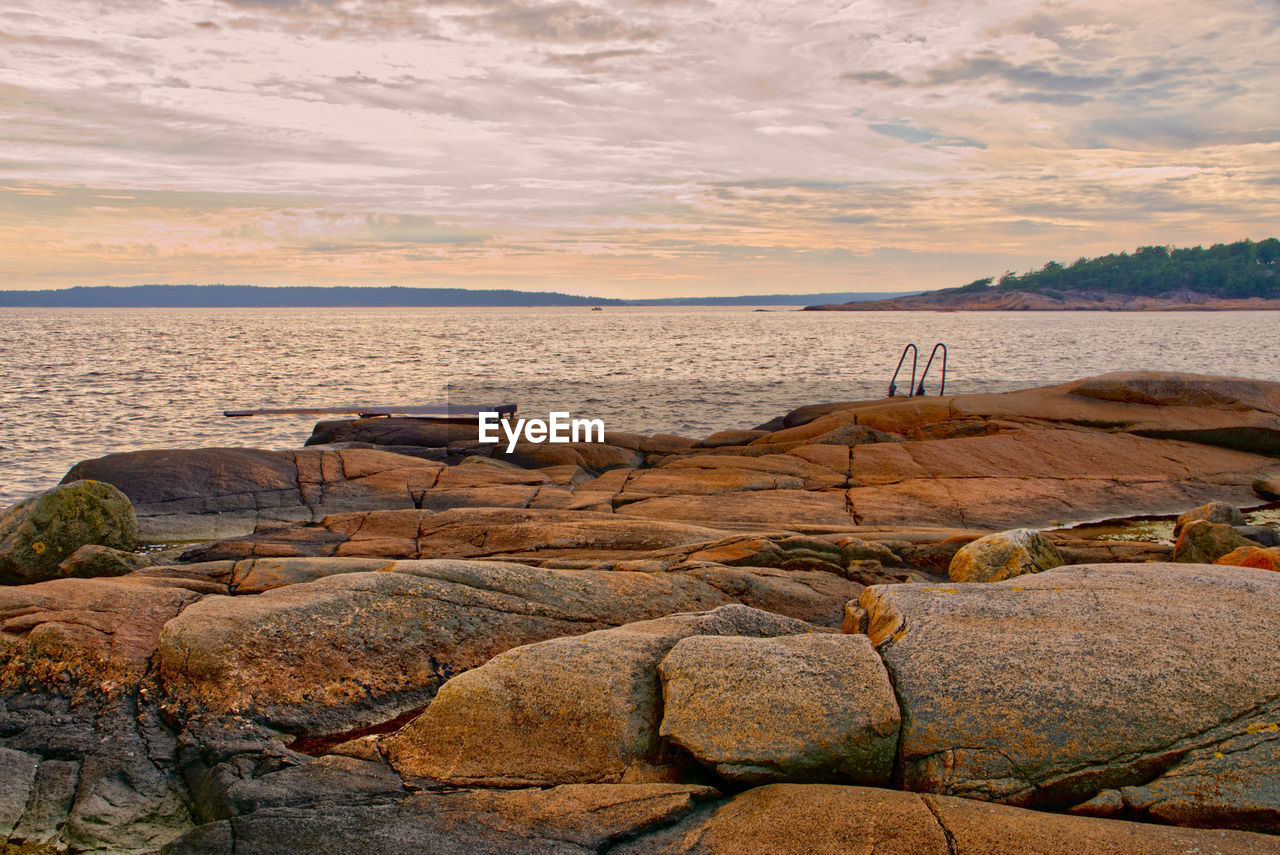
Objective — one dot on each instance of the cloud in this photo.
(879, 78)
(586, 60)
(410, 228)
(908, 132)
(596, 145)
(564, 21)
(1035, 75)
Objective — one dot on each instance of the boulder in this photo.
(824, 819)
(1048, 689)
(1268, 486)
(1204, 542)
(1252, 556)
(1266, 535)
(584, 709)
(39, 533)
(355, 647)
(92, 560)
(796, 708)
(1004, 556)
(1217, 512)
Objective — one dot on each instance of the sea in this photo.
(81, 383)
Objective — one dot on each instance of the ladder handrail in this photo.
(942, 388)
(893, 383)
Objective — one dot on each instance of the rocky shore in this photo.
(863, 626)
(956, 300)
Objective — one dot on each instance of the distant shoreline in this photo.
(373, 297)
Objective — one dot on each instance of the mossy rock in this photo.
(39, 533)
(1003, 556)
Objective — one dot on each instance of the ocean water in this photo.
(80, 383)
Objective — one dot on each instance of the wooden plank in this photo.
(442, 410)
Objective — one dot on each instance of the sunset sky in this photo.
(641, 148)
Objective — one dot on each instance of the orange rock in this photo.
(1253, 556)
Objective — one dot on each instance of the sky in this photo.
(636, 148)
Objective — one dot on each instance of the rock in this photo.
(1139, 664)
(1204, 542)
(38, 533)
(199, 494)
(258, 575)
(104, 780)
(17, 775)
(1004, 556)
(1035, 477)
(53, 793)
(808, 595)
(84, 635)
(568, 820)
(1263, 534)
(798, 708)
(1103, 447)
(461, 533)
(1217, 512)
(1252, 556)
(665, 443)
(730, 437)
(92, 560)
(595, 456)
(853, 435)
(773, 509)
(1176, 389)
(823, 819)
(1268, 486)
(584, 709)
(796, 552)
(353, 649)
(396, 430)
(1199, 791)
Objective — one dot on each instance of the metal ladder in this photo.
(913, 389)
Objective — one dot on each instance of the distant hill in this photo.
(253, 296)
(773, 299)
(1240, 275)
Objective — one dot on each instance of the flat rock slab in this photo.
(572, 710)
(569, 820)
(461, 533)
(1114, 445)
(190, 494)
(796, 708)
(823, 819)
(1047, 689)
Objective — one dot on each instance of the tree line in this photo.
(1243, 269)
